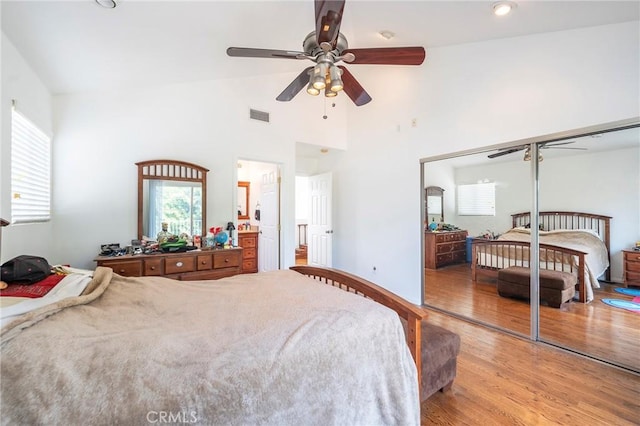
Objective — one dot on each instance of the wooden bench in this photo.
(556, 287)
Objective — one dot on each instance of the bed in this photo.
(574, 242)
(279, 347)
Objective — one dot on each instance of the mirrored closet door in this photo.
(480, 193)
(587, 223)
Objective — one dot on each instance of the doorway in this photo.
(259, 210)
(314, 237)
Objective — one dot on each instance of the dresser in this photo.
(631, 268)
(444, 248)
(191, 265)
(248, 240)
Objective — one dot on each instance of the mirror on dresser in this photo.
(435, 204)
(171, 192)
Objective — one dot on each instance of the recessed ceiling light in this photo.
(386, 34)
(107, 4)
(502, 8)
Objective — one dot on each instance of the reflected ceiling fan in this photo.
(326, 46)
(527, 150)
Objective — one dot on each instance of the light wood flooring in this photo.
(506, 380)
(608, 333)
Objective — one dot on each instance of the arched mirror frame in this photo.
(435, 192)
(243, 192)
(170, 170)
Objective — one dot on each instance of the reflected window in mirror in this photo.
(171, 192)
(243, 199)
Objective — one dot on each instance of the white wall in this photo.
(33, 99)
(101, 135)
(464, 97)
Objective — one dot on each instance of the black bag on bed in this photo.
(25, 269)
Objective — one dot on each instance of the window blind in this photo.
(30, 171)
(477, 199)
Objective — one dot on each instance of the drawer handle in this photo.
(121, 271)
(204, 262)
(179, 264)
(226, 261)
(153, 268)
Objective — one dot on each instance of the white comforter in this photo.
(270, 348)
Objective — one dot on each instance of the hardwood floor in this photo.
(507, 380)
(595, 328)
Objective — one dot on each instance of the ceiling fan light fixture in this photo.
(335, 81)
(319, 76)
(503, 8)
(527, 155)
(312, 90)
(329, 93)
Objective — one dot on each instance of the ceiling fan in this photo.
(527, 150)
(326, 46)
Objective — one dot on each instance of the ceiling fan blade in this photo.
(505, 152)
(296, 86)
(388, 55)
(564, 147)
(353, 89)
(328, 20)
(557, 143)
(248, 52)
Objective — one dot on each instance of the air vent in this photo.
(254, 114)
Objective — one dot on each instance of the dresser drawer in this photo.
(204, 262)
(444, 248)
(249, 253)
(179, 264)
(153, 266)
(630, 257)
(226, 259)
(247, 242)
(132, 268)
(632, 266)
(250, 265)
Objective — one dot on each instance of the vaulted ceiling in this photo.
(78, 46)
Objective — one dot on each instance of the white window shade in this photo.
(30, 171)
(477, 199)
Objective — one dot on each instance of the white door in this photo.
(269, 235)
(320, 232)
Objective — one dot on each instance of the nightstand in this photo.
(631, 268)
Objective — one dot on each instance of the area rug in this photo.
(628, 291)
(624, 304)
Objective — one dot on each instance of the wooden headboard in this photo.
(571, 220)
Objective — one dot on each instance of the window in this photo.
(30, 171)
(478, 199)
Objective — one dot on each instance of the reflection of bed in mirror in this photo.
(572, 242)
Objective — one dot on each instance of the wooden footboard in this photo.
(489, 256)
(354, 284)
